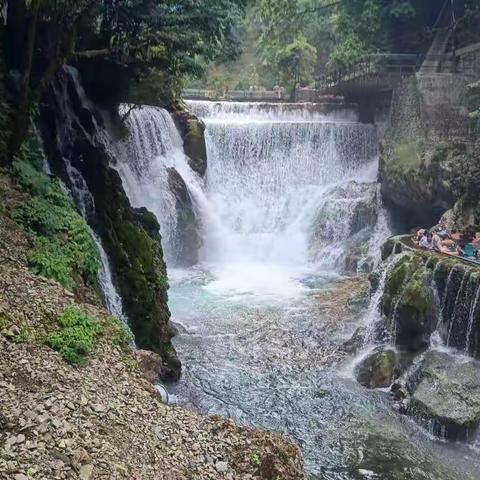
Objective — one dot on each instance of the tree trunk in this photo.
(15, 33)
(22, 114)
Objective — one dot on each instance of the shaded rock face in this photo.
(419, 155)
(70, 125)
(192, 131)
(445, 394)
(187, 229)
(377, 370)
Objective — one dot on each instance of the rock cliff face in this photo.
(72, 129)
(426, 150)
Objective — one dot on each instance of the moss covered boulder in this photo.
(377, 370)
(408, 303)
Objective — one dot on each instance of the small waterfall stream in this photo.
(79, 189)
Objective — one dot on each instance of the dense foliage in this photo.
(142, 36)
(62, 247)
(75, 338)
(296, 41)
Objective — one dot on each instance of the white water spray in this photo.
(283, 184)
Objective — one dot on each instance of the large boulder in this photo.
(445, 395)
(152, 366)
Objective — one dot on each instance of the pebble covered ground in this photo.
(103, 420)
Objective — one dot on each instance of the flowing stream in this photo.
(289, 205)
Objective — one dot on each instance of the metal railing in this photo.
(235, 95)
(397, 65)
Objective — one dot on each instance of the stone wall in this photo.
(428, 136)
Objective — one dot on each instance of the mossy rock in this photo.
(192, 130)
(408, 303)
(130, 236)
(377, 370)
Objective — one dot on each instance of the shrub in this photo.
(49, 259)
(63, 248)
(75, 340)
(117, 332)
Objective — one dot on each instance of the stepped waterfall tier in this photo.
(272, 305)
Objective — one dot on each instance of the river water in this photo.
(290, 194)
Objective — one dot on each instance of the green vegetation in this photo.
(286, 42)
(156, 40)
(75, 339)
(255, 460)
(62, 247)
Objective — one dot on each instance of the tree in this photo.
(42, 35)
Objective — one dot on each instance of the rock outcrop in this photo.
(192, 130)
(187, 229)
(71, 129)
(426, 291)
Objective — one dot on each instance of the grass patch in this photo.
(76, 337)
(63, 248)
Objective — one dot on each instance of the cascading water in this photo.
(148, 160)
(79, 189)
(288, 189)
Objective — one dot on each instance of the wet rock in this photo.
(377, 370)
(151, 365)
(192, 130)
(355, 342)
(187, 229)
(446, 395)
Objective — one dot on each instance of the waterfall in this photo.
(148, 160)
(86, 205)
(78, 186)
(290, 190)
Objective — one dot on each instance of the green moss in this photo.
(63, 248)
(76, 337)
(407, 156)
